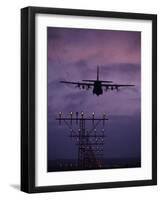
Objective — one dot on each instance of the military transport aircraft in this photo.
(97, 85)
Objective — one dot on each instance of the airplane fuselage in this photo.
(97, 89)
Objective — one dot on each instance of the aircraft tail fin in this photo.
(97, 73)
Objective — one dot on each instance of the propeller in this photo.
(78, 85)
(88, 87)
(117, 88)
(106, 88)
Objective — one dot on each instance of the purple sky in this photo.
(73, 55)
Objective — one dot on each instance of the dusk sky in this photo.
(73, 55)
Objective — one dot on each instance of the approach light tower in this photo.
(90, 139)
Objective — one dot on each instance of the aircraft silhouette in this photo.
(97, 85)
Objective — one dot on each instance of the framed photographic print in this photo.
(88, 99)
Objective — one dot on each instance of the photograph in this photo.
(88, 93)
(93, 99)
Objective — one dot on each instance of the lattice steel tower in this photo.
(90, 139)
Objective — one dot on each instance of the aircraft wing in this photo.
(115, 86)
(68, 82)
(78, 84)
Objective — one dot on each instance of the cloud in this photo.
(99, 46)
(73, 55)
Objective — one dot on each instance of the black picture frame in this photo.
(28, 98)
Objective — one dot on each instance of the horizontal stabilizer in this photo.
(99, 80)
(89, 80)
(106, 81)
